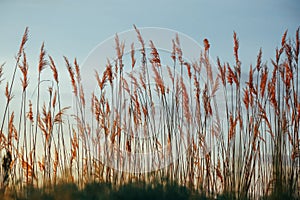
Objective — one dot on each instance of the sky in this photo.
(73, 28)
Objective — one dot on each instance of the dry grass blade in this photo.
(108, 72)
(77, 70)
(24, 40)
(24, 70)
(230, 75)
(1, 72)
(250, 81)
(246, 98)
(155, 56)
(8, 95)
(222, 71)
(170, 74)
(188, 67)
(158, 80)
(120, 52)
(258, 62)
(197, 89)
(58, 116)
(297, 45)
(132, 52)
(232, 127)
(263, 81)
(215, 87)
(12, 132)
(206, 101)
(178, 49)
(283, 39)
(54, 69)
(206, 44)
(42, 61)
(186, 102)
(30, 113)
(236, 47)
(72, 76)
(141, 40)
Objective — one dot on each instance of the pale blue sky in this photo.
(73, 28)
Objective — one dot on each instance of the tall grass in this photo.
(249, 151)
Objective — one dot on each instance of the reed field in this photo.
(198, 129)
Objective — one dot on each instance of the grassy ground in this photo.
(99, 191)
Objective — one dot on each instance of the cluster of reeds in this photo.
(159, 123)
